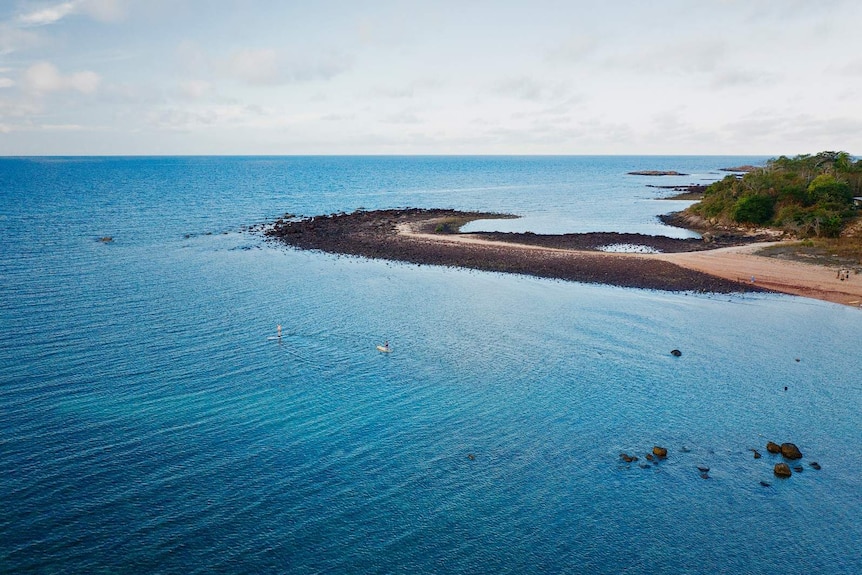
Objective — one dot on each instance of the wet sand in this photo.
(725, 265)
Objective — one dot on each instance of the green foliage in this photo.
(753, 209)
(806, 195)
(825, 188)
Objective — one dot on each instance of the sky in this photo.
(157, 77)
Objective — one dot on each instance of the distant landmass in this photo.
(656, 173)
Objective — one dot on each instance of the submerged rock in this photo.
(814, 465)
(675, 352)
(756, 454)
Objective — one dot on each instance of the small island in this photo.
(656, 173)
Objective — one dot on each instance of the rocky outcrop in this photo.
(772, 447)
(782, 470)
(659, 452)
(378, 234)
(790, 451)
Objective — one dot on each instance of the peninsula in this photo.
(723, 264)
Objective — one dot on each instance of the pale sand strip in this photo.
(797, 278)
(737, 263)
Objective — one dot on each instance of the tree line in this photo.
(807, 195)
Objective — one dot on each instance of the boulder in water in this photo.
(790, 451)
(782, 470)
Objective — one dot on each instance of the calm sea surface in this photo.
(149, 423)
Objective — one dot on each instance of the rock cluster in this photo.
(790, 452)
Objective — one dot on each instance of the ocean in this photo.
(151, 422)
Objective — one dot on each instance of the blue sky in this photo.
(462, 77)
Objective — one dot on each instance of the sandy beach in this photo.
(796, 278)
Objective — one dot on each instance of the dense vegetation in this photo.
(805, 195)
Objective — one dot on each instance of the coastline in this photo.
(725, 264)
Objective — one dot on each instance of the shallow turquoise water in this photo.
(150, 425)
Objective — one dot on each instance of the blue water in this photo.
(148, 424)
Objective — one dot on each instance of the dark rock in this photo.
(797, 468)
(628, 458)
(814, 465)
(650, 457)
(644, 465)
(756, 454)
(675, 352)
(782, 470)
(745, 168)
(705, 475)
(790, 451)
(659, 451)
(773, 447)
(703, 468)
(471, 457)
(765, 484)
(656, 173)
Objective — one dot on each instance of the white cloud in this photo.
(104, 10)
(195, 89)
(48, 15)
(573, 50)
(209, 116)
(13, 39)
(261, 66)
(267, 67)
(44, 77)
(101, 10)
(521, 88)
(6, 82)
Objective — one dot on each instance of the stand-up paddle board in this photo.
(384, 349)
